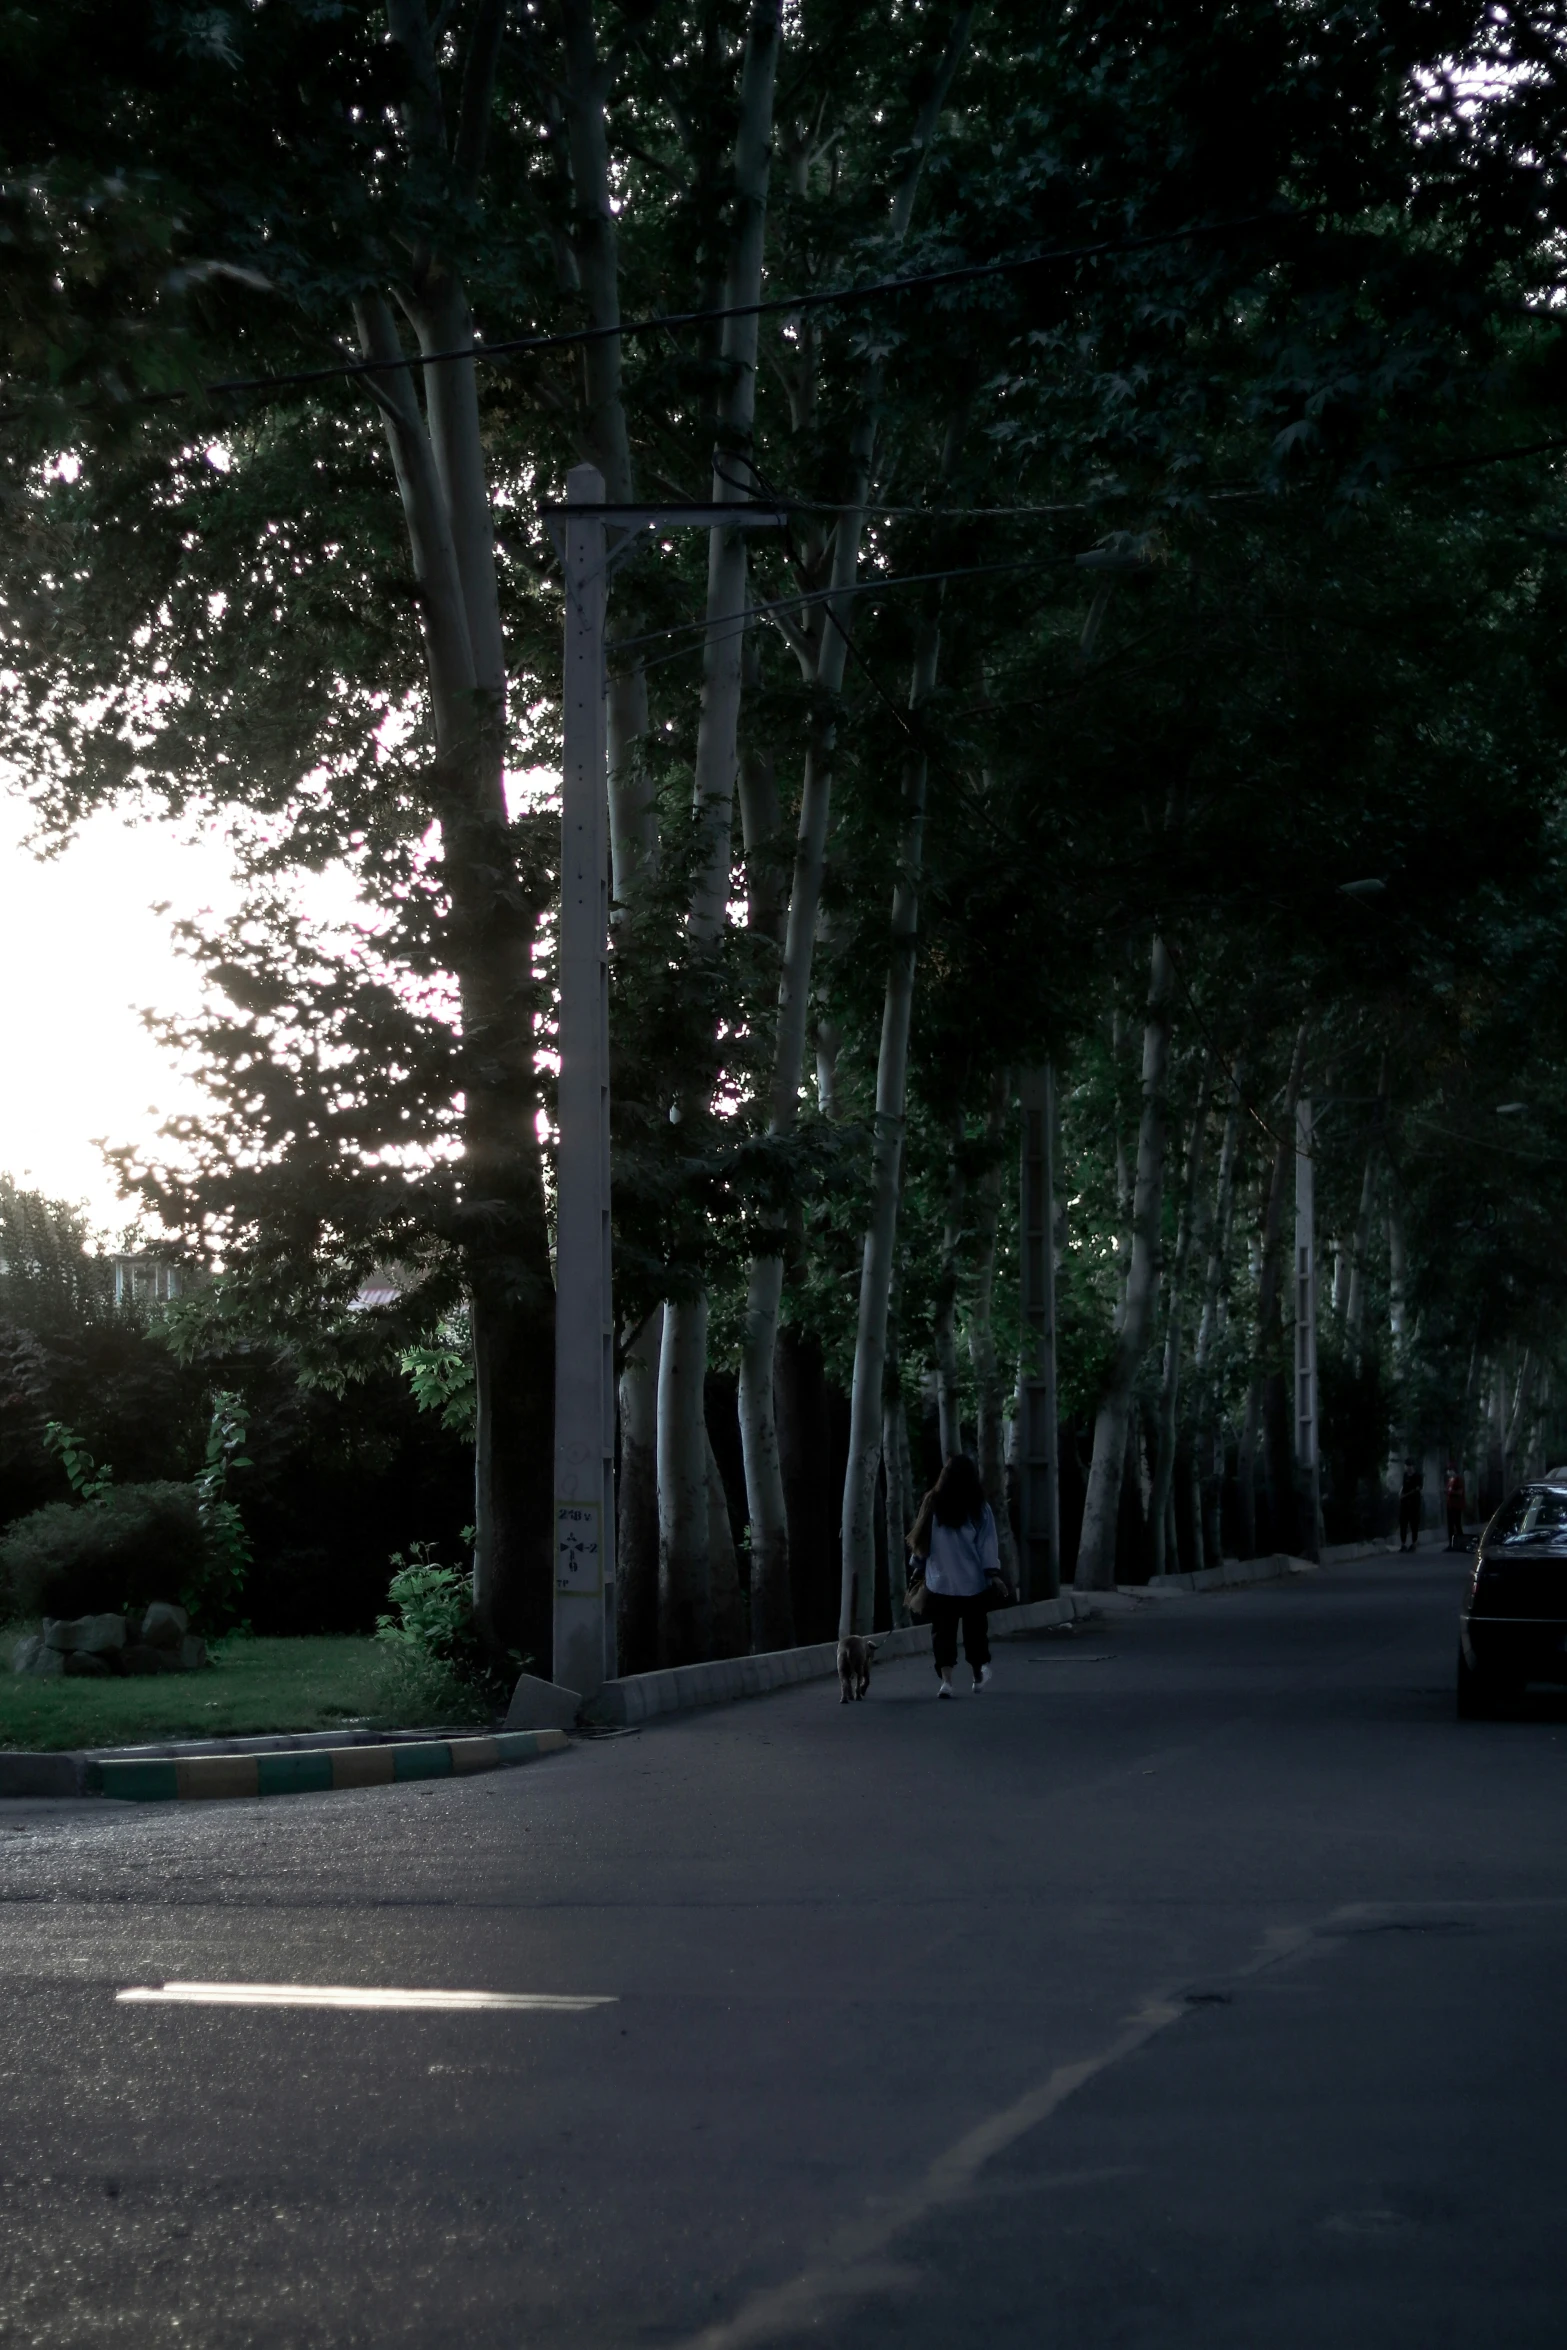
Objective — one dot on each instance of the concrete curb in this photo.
(1230, 1574)
(643, 1697)
(316, 1761)
(300, 1769)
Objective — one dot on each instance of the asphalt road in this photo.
(1201, 1984)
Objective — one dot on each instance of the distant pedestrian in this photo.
(954, 1536)
(1409, 1509)
(1453, 1493)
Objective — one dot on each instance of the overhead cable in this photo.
(961, 273)
(830, 595)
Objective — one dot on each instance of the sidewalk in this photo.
(642, 1697)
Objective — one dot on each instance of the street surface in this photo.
(1201, 1984)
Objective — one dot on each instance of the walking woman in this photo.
(954, 1537)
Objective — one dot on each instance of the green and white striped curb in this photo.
(303, 1770)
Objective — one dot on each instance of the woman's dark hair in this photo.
(957, 1497)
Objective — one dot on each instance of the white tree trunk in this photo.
(1096, 1550)
(944, 1333)
(1397, 1275)
(718, 726)
(684, 1555)
(900, 1503)
(636, 1514)
(990, 1397)
(822, 650)
(1281, 1182)
(1161, 1518)
(1209, 1436)
(438, 457)
(772, 1604)
(603, 436)
(857, 1591)
(727, 1634)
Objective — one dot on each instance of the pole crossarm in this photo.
(632, 521)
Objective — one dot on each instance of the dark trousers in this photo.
(1408, 1520)
(946, 1614)
(1455, 1525)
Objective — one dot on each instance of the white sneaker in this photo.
(982, 1679)
(943, 1688)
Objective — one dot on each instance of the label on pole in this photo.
(579, 1547)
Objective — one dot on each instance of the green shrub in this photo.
(135, 1543)
(433, 1654)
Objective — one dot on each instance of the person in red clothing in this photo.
(1454, 1493)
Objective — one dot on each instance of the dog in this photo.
(854, 1666)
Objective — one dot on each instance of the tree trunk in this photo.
(761, 821)
(718, 747)
(900, 1504)
(1512, 1441)
(603, 438)
(772, 1605)
(990, 1409)
(1397, 1275)
(684, 1554)
(1360, 1245)
(438, 459)
(949, 1401)
(726, 1632)
(1160, 1516)
(1269, 1329)
(857, 1592)
(636, 1515)
(1207, 1428)
(822, 649)
(1096, 1551)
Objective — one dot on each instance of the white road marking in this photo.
(351, 1995)
(854, 2264)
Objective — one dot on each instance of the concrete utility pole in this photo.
(584, 1614)
(1306, 1420)
(1039, 1482)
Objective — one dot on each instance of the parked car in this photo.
(1513, 1624)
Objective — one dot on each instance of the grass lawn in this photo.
(307, 1684)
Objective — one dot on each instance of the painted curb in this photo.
(643, 1697)
(303, 1771)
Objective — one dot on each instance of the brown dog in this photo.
(854, 1666)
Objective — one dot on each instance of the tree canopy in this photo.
(1159, 676)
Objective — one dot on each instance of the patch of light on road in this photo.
(350, 1995)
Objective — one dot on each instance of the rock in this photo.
(31, 1656)
(541, 1705)
(141, 1657)
(164, 1625)
(84, 1635)
(193, 1653)
(81, 1665)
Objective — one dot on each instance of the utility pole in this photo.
(584, 1613)
(1307, 1459)
(584, 1645)
(1039, 1483)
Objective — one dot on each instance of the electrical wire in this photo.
(862, 587)
(486, 354)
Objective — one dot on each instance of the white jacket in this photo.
(962, 1556)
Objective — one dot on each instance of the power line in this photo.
(486, 354)
(862, 587)
(1485, 457)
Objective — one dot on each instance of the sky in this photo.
(82, 953)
